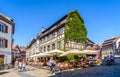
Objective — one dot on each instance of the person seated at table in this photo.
(105, 61)
(108, 60)
(83, 63)
(58, 64)
(57, 67)
(91, 61)
(112, 58)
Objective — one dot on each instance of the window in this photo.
(40, 41)
(3, 43)
(53, 35)
(3, 28)
(119, 44)
(48, 37)
(44, 49)
(48, 48)
(43, 39)
(53, 46)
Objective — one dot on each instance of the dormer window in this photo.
(3, 28)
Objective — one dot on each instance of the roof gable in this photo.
(110, 41)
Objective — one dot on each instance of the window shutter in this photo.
(0, 42)
(6, 29)
(0, 27)
(6, 43)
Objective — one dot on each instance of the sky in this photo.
(101, 17)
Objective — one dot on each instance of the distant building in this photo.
(18, 52)
(98, 47)
(6, 38)
(111, 45)
(22, 52)
(53, 38)
(89, 45)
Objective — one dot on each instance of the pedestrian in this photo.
(23, 65)
(20, 66)
(51, 64)
(112, 58)
(13, 63)
(16, 64)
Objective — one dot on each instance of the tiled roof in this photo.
(48, 30)
(13, 47)
(110, 41)
(22, 49)
(89, 41)
(8, 20)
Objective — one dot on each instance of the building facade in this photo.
(18, 52)
(15, 51)
(53, 38)
(49, 39)
(111, 45)
(6, 38)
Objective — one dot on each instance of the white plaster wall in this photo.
(117, 43)
(8, 36)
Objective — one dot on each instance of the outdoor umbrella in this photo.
(44, 55)
(55, 51)
(35, 55)
(90, 51)
(73, 51)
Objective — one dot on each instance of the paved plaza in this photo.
(30, 72)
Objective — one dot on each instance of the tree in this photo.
(75, 29)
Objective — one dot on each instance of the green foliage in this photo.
(71, 58)
(63, 59)
(75, 29)
(59, 45)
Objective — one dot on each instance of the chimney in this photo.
(43, 29)
(11, 20)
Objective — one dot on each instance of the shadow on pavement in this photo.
(96, 71)
(28, 69)
(3, 73)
